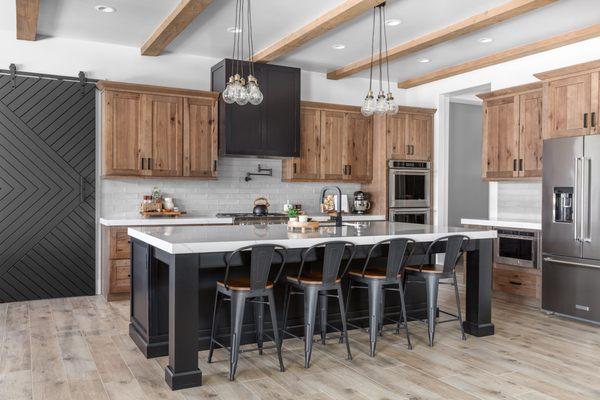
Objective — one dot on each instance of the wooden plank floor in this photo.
(78, 348)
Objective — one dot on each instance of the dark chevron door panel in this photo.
(47, 195)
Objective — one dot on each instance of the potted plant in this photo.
(293, 214)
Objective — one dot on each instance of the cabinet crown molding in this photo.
(511, 91)
(570, 70)
(151, 89)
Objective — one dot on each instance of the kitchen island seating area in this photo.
(175, 270)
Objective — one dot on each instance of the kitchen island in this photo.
(175, 269)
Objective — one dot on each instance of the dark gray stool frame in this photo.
(378, 284)
(455, 245)
(334, 252)
(260, 267)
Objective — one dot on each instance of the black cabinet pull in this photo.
(294, 165)
(142, 159)
(514, 164)
(407, 149)
(149, 163)
(593, 120)
(215, 165)
(349, 169)
(520, 164)
(585, 120)
(515, 283)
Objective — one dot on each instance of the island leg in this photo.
(182, 371)
(478, 321)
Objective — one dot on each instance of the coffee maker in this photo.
(361, 202)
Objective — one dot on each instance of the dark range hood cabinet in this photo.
(270, 129)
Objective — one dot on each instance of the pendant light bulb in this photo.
(255, 96)
(368, 106)
(229, 92)
(242, 93)
(381, 104)
(392, 106)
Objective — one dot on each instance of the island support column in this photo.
(478, 321)
(182, 371)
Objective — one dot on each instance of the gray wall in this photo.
(467, 192)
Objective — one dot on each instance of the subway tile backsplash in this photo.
(230, 193)
(520, 201)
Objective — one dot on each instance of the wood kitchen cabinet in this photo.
(571, 98)
(512, 133)
(115, 263)
(151, 131)
(409, 136)
(336, 145)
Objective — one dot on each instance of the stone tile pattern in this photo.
(520, 201)
(230, 193)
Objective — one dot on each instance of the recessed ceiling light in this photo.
(393, 22)
(485, 40)
(338, 46)
(234, 29)
(424, 60)
(105, 9)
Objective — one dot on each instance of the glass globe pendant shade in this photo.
(368, 106)
(228, 94)
(255, 96)
(392, 106)
(381, 104)
(242, 94)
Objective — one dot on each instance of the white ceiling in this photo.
(135, 20)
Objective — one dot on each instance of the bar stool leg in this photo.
(431, 284)
(259, 310)
(403, 316)
(381, 312)
(344, 322)
(311, 295)
(278, 340)
(323, 315)
(374, 313)
(462, 330)
(215, 323)
(342, 337)
(238, 303)
(286, 307)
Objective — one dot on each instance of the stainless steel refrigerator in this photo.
(571, 227)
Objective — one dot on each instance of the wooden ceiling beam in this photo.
(341, 14)
(506, 55)
(27, 19)
(483, 20)
(179, 19)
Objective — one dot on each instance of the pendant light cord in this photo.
(380, 42)
(235, 37)
(250, 39)
(242, 36)
(387, 61)
(372, 53)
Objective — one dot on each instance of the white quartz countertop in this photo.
(209, 239)
(138, 220)
(503, 223)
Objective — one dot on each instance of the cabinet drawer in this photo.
(119, 243)
(120, 276)
(516, 282)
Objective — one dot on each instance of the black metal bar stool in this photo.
(254, 289)
(316, 285)
(378, 281)
(431, 275)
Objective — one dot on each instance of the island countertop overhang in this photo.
(211, 239)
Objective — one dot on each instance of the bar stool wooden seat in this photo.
(254, 288)
(317, 285)
(432, 276)
(379, 280)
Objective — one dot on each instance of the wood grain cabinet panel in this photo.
(119, 243)
(396, 131)
(358, 148)
(530, 131)
(332, 142)
(200, 151)
(418, 137)
(120, 276)
(308, 165)
(501, 138)
(569, 106)
(121, 132)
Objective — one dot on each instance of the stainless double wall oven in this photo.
(409, 191)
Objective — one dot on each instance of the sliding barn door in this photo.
(47, 180)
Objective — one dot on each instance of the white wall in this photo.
(500, 76)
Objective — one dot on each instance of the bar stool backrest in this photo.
(455, 245)
(261, 259)
(396, 258)
(332, 259)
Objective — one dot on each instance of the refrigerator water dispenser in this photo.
(563, 204)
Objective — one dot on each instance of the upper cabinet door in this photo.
(418, 137)
(397, 125)
(530, 128)
(332, 143)
(162, 136)
(358, 147)
(308, 165)
(568, 106)
(200, 151)
(501, 138)
(121, 133)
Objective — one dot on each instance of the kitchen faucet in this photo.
(338, 203)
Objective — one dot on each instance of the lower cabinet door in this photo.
(120, 276)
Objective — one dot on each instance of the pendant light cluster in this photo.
(384, 104)
(242, 90)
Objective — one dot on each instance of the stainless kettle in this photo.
(261, 207)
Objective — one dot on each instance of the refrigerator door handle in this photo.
(553, 260)
(576, 211)
(587, 183)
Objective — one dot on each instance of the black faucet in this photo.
(338, 204)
